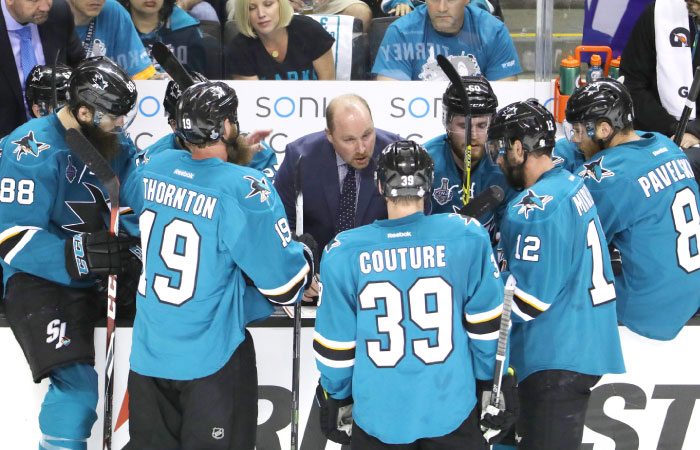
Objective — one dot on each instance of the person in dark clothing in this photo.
(275, 44)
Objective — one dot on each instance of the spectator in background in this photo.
(403, 7)
(163, 21)
(106, 29)
(199, 9)
(474, 40)
(657, 77)
(354, 8)
(276, 44)
(47, 28)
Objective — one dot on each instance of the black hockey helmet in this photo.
(604, 98)
(202, 110)
(404, 169)
(173, 93)
(39, 87)
(101, 84)
(528, 121)
(482, 100)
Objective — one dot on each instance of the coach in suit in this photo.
(334, 202)
(45, 25)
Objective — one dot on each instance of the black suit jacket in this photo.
(321, 186)
(57, 34)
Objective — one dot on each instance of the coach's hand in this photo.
(335, 415)
(99, 254)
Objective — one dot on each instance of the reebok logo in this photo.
(184, 173)
(399, 234)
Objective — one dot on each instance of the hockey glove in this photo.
(496, 421)
(615, 260)
(335, 415)
(99, 254)
(310, 253)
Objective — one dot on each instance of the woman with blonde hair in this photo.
(275, 44)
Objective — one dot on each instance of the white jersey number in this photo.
(603, 291)
(179, 251)
(438, 317)
(686, 219)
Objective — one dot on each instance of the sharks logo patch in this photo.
(443, 194)
(595, 170)
(532, 201)
(28, 145)
(258, 187)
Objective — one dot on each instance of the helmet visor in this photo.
(116, 124)
(495, 148)
(576, 131)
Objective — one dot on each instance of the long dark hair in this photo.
(165, 11)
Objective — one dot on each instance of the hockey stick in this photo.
(495, 399)
(456, 80)
(171, 65)
(688, 108)
(487, 200)
(89, 155)
(296, 341)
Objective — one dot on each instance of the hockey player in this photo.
(448, 149)
(564, 334)
(264, 160)
(54, 243)
(40, 89)
(198, 219)
(647, 199)
(408, 320)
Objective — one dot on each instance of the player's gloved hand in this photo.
(335, 415)
(310, 253)
(98, 254)
(496, 421)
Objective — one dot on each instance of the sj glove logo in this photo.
(57, 332)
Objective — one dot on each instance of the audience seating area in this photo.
(519, 16)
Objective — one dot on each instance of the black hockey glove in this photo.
(496, 421)
(98, 254)
(311, 254)
(335, 415)
(615, 260)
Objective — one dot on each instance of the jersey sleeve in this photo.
(483, 309)
(386, 64)
(336, 325)
(129, 46)
(262, 246)
(28, 187)
(502, 58)
(537, 253)
(265, 161)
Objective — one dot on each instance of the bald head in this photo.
(346, 104)
(350, 129)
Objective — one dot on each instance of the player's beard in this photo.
(106, 143)
(238, 151)
(515, 175)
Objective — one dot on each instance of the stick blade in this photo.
(486, 201)
(171, 65)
